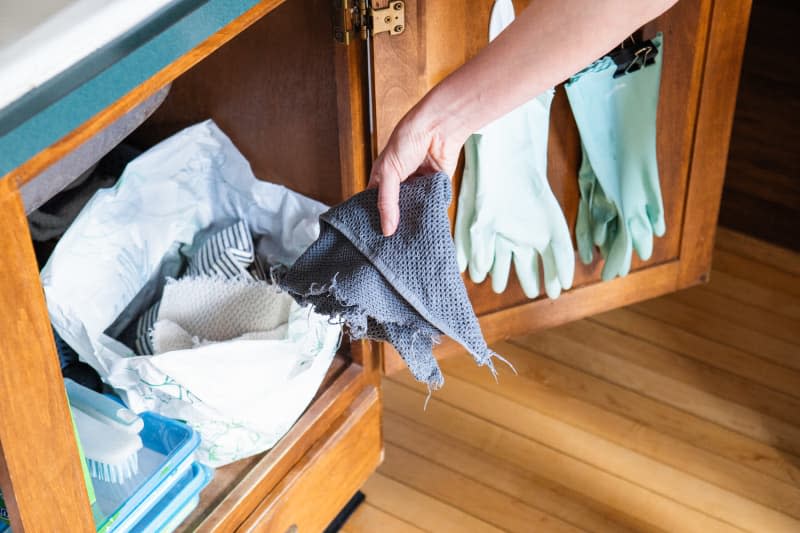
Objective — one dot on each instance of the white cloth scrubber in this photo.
(199, 310)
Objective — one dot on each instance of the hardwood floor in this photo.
(677, 414)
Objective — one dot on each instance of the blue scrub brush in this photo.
(109, 433)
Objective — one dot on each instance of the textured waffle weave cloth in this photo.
(405, 289)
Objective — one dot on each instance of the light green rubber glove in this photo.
(507, 211)
(617, 122)
(597, 220)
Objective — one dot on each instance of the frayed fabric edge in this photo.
(351, 313)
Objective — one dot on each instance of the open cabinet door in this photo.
(702, 52)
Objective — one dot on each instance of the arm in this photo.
(547, 43)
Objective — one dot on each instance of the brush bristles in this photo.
(114, 473)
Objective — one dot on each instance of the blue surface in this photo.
(60, 118)
(177, 442)
(177, 503)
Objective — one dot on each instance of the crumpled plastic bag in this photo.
(241, 396)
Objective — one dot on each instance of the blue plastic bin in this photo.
(177, 504)
(165, 490)
(166, 457)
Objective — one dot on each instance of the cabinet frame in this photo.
(35, 428)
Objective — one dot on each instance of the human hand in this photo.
(420, 144)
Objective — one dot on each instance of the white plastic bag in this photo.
(241, 396)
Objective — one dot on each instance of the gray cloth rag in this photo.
(405, 289)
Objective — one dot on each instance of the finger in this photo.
(583, 232)
(526, 264)
(603, 212)
(482, 244)
(564, 256)
(551, 284)
(642, 235)
(401, 156)
(501, 266)
(618, 262)
(656, 216)
(388, 203)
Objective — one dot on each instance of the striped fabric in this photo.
(227, 254)
(143, 344)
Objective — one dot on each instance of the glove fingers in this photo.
(656, 216)
(526, 264)
(501, 266)
(482, 244)
(603, 213)
(642, 235)
(611, 236)
(583, 233)
(552, 286)
(564, 256)
(618, 261)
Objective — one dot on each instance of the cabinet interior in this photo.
(273, 90)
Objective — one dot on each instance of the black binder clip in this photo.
(632, 57)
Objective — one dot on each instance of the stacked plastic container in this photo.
(166, 489)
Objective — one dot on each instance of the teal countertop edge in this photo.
(75, 108)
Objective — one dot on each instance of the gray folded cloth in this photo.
(405, 289)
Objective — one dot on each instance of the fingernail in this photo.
(390, 226)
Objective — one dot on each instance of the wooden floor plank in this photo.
(446, 412)
(368, 519)
(691, 372)
(426, 512)
(646, 412)
(726, 473)
(494, 507)
(743, 290)
(597, 362)
(751, 248)
(742, 314)
(676, 414)
(501, 475)
(575, 384)
(781, 278)
(705, 350)
(623, 462)
(721, 330)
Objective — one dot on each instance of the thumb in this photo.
(397, 161)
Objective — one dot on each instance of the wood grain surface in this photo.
(443, 35)
(312, 494)
(273, 91)
(638, 419)
(40, 473)
(723, 61)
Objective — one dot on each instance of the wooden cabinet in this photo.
(310, 113)
(703, 43)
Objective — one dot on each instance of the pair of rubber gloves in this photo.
(507, 211)
(620, 208)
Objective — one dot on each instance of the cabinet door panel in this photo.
(699, 35)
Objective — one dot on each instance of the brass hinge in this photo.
(358, 17)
